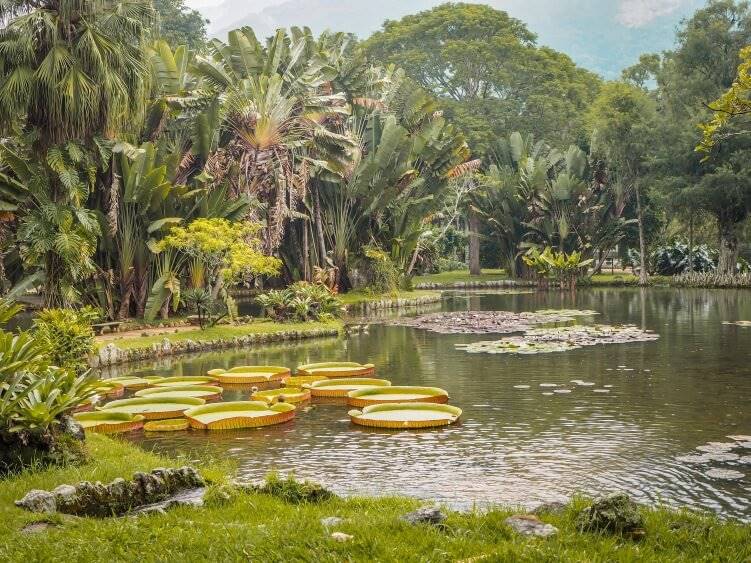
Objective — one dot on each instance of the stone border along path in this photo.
(391, 303)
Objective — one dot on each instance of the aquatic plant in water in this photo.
(490, 322)
(560, 339)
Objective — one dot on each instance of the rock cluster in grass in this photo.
(615, 514)
(530, 525)
(116, 498)
(288, 489)
(111, 354)
(425, 515)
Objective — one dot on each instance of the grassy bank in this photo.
(359, 297)
(220, 332)
(263, 528)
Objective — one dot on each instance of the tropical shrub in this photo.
(36, 400)
(673, 259)
(379, 272)
(559, 267)
(301, 301)
(208, 310)
(67, 335)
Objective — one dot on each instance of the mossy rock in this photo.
(614, 514)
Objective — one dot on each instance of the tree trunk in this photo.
(643, 280)
(319, 228)
(305, 253)
(474, 244)
(728, 258)
(690, 268)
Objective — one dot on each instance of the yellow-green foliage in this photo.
(229, 250)
(736, 101)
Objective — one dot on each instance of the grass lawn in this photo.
(220, 332)
(614, 279)
(461, 276)
(357, 297)
(253, 527)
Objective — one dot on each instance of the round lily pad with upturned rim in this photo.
(185, 380)
(109, 389)
(154, 408)
(206, 392)
(239, 414)
(169, 425)
(300, 380)
(247, 375)
(337, 369)
(396, 394)
(340, 387)
(132, 383)
(109, 422)
(292, 395)
(405, 415)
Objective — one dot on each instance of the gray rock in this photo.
(425, 515)
(38, 501)
(192, 497)
(331, 521)
(530, 525)
(71, 427)
(341, 537)
(37, 527)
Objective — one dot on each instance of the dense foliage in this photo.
(301, 302)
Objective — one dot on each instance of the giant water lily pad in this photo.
(396, 394)
(169, 425)
(340, 387)
(251, 375)
(292, 395)
(206, 392)
(336, 369)
(239, 414)
(489, 322)
(185, 380)
(406, 415)
(300, 380)
(155, 407)
(131, 383)
(109, 389)
(109, 422)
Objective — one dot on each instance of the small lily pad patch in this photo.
(744, 324)
(488, 322)
(724, 474)
(521, 386)
(740, 438)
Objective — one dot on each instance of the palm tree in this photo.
(74, 72)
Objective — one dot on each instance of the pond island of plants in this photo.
(171, 204)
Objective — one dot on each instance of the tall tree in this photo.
(485, 68)
(621, 118)
(180, 25)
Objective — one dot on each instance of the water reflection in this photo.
(517, 445)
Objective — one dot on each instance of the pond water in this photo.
(521, 446)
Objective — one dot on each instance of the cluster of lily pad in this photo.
(561, 339)
(722, 452)
(490, 322)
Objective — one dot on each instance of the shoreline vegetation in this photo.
(238, 525)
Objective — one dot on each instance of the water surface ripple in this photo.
(520, 446)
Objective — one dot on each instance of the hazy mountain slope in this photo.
(602, 35)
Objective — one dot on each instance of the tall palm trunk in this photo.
(318, 222)
(728, 258)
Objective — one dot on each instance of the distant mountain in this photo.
(602, 35)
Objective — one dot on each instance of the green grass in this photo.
(357, 297)
(261, 326)
(253, 527)
(460, 276)
(614, 279)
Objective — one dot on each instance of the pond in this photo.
(651, 402)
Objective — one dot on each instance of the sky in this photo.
(602, 35)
